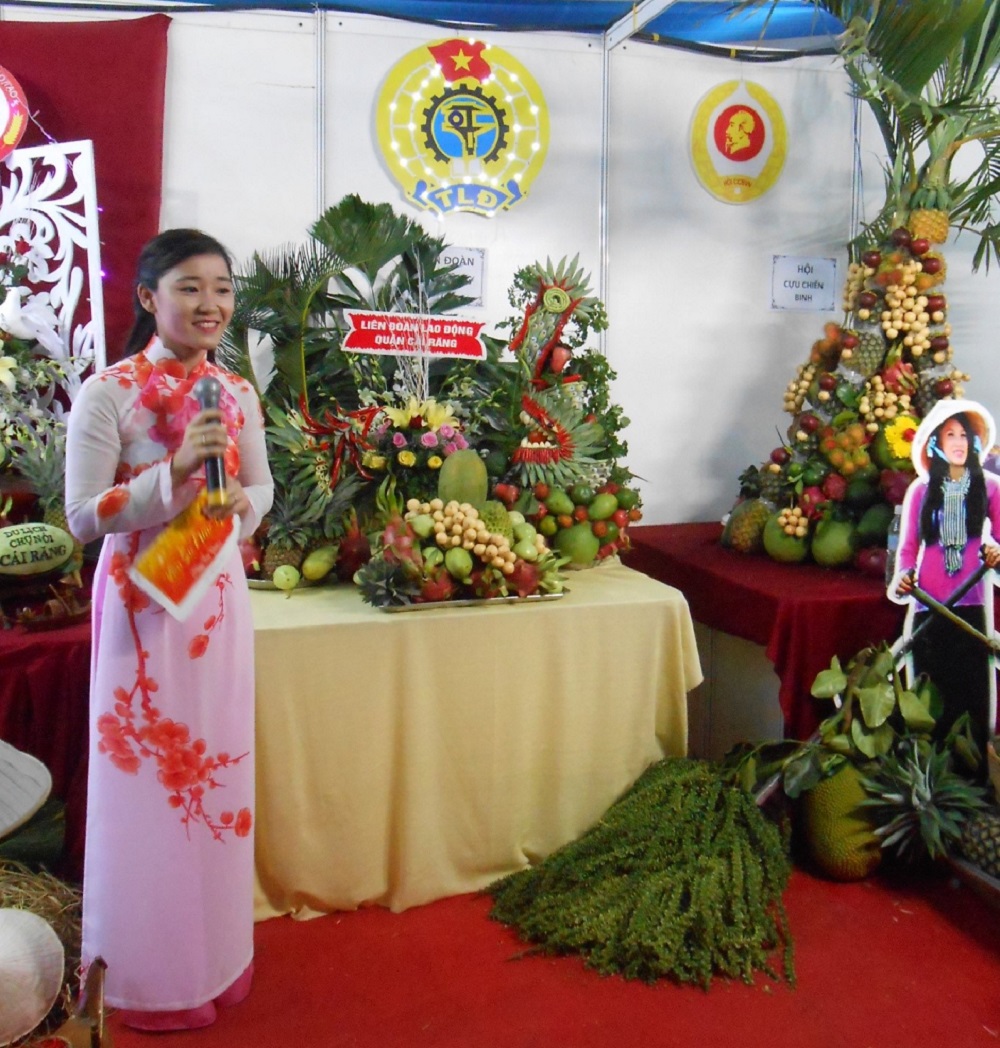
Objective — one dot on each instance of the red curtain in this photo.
(102, 81)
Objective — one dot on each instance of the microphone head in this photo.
(207, 390)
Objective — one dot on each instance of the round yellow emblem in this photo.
(738, 141)
(462, 126)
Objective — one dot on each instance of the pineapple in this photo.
(867, 356)
(774, 485)
(930, 224)
(744, 531)
(919, 802)
(929, 217)
(293, 524)
(384, 584)
(41, 459)
(980, 840)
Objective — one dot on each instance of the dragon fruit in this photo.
(355, 549)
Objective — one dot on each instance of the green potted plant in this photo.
(873, 778)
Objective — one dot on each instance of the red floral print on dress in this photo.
(112, 502)
(137, 730)
(199, 643)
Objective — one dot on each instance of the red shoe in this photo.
(182, 1019)
(237, 991)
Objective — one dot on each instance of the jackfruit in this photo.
(838, 836)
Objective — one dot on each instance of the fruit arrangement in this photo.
(533, 411)
(583, 523)
(827, 492)
(441, 551)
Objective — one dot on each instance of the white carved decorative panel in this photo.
(48, 200)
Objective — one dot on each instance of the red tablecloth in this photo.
(801, 614)
(44, 684)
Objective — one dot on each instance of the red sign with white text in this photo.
(416, 334)
(13, 113)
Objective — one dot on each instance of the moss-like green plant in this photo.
(682, 878)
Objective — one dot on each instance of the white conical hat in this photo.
(25, 784)
(31, 972)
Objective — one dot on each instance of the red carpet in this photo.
(884, 963)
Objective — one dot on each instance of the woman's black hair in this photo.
(159, 255)
(938, 470)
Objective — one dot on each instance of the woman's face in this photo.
(192, 304)
(954, 442)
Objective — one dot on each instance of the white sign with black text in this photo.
(803, 283)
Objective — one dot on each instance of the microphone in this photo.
(207, 391)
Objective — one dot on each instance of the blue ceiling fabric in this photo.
(779, 29)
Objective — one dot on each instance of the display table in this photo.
(44, 684)
(801, 614)
(403, 757)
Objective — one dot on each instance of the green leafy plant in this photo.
(874, 712)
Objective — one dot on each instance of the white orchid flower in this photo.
(33, 321)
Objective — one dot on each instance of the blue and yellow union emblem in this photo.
(462, 126)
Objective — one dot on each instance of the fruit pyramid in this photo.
(830, 488)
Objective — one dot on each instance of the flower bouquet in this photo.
(412, 442)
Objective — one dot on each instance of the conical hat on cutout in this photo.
(979, 418)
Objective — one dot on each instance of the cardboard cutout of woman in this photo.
(949, 527)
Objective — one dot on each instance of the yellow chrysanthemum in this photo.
(7, 365)
(899, 435)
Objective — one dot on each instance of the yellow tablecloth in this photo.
(403, 757)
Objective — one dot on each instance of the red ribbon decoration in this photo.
(348, 439)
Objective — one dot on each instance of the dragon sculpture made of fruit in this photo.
(827, 492)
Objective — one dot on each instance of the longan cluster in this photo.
(793, 522)
(854, 284)
(879, 404)
(798, 388)
(905, 312)
(459, 524)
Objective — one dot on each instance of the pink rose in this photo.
(429, 439)
(447, 432)
(398, 440)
